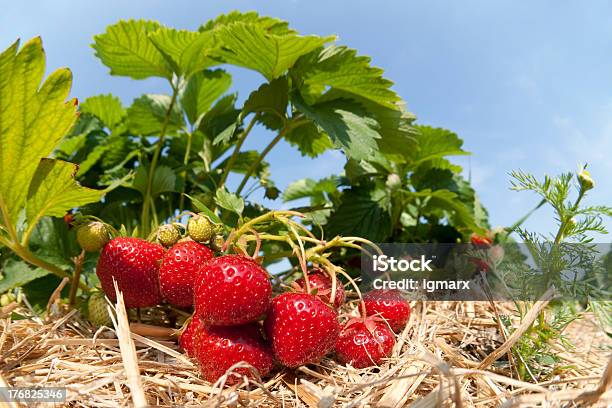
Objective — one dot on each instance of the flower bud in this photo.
(585, 179)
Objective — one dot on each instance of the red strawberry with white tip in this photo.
(220, 347)
(364, 342)
(190, 336)
(230, 290)
(134, 264)
(178, 271)
(320, 281)
(301, 328)
(390, 305)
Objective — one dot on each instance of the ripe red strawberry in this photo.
(364, 343)
(480, 240)
(189, 338)
(301, 328)
(134, 264)
(178, 271)
(220, 347)
(320, 281)
(390, 305)
(231, 289)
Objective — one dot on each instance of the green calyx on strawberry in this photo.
(134, 264)
(201, 228)
(97, 310)
(321, 286)
(390, 305)
(301, 328)
(220, 348)
(168, 235)
(364, 342)
(179, 268)
(92, 236)
(230, 290)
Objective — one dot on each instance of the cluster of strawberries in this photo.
(236, 317)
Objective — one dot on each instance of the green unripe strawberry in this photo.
(97, 310)
(92, 236)
(168, 235)
(7, 298)
(200, 228)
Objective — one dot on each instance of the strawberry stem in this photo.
(148, 200)
(76, 276)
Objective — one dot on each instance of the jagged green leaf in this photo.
(309, 188)
(54, 191)
(164, 180)
(126, 49)
(201, 91)
(147, 114)
(107, 108)
(33, 120)
(355, 134)
(252, 46)
(339, 67)
(445, 203)
(229, 201)
(187, 52)
(269, 24)
(436, 143)
(309, 139)
(244, 161)
(269, 98)
(364, 211)
(17, 273)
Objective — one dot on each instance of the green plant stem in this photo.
(156, 154)
(30, 258)
(257, 162)
(76, 277)
(234, 156)
(185, 162)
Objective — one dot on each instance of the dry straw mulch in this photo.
(451, 353)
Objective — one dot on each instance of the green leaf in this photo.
(54, 191)
(436, 143)
(186, 51)
(216, 123)
(364, 212)
(126, 49)
(201, 91)
(252, 46)
(147, 114)
(354, 134)
(271, 98)
(33, 120)
(398, 136)
(16, 274)
(445, 203)
(229, 201)
(107, 108)
(309, 188)
(244, 161)
(164, 180)
(309, 139)
(226, 134)
(201, 207)
(94, 156)
(339, 67)
(269, 24)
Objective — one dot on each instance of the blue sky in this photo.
(527, 85)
